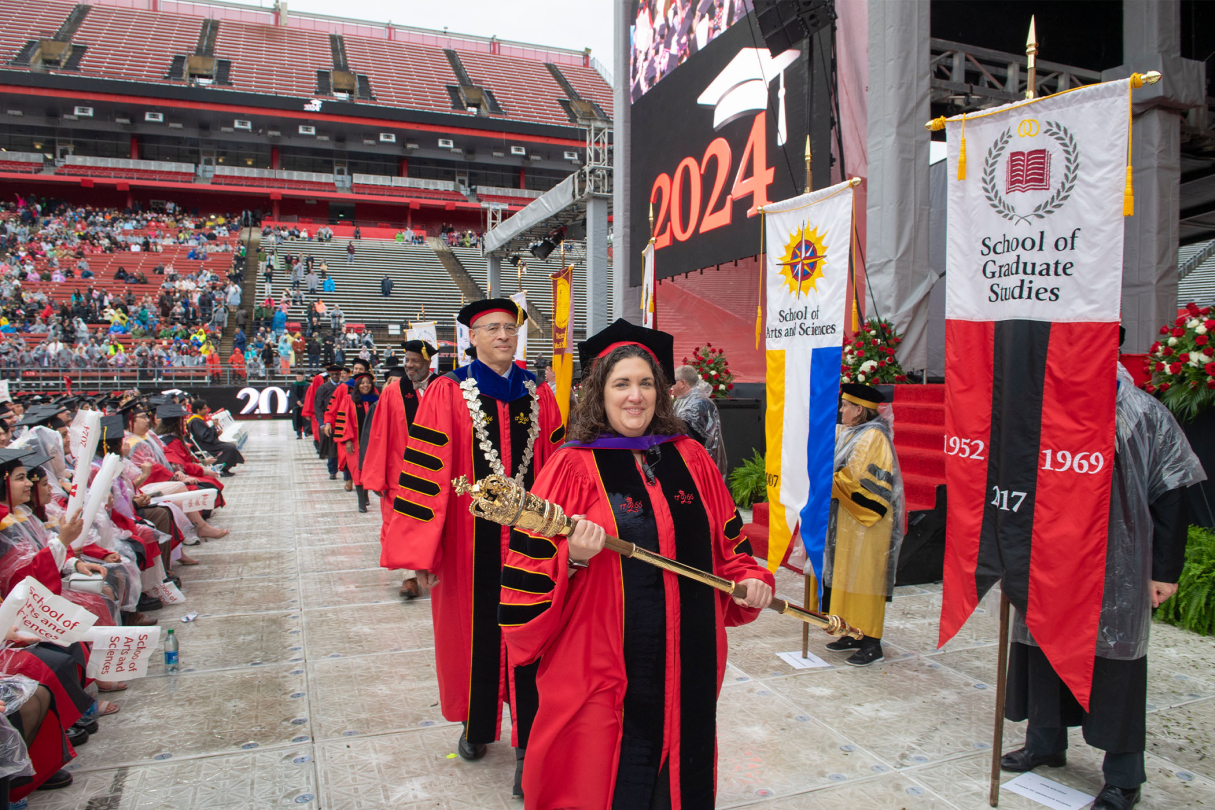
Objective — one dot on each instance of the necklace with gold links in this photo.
(472, 397)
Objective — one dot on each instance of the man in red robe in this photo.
(335, 419)
(490, 402)
(308, 411)
(389, 435)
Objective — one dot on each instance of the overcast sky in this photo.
(574, 24)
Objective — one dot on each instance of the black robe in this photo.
(207, 439)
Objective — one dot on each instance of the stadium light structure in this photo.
(542, 249)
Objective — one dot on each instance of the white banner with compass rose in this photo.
(807, 242)
(1035, 223)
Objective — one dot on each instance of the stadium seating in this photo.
(21, 162)
(298, 181)
(23, 21)
(421, 282)
(121, 167)
(403, 74)
(407, 187)
(132, 44)
(271, 59)
(523, 87)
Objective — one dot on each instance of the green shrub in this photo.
(1193, 606)
(749, 482)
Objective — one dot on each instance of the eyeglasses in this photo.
(495, 329)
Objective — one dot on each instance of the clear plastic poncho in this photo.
(15, 690)
(1151, 457)
(697, 410)
(860, 558)
(48, 442)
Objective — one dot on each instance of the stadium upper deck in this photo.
(220, 50)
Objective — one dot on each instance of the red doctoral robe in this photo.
(308, 411)
(349, 426)
(179, 454)
(386, 444)
(335, 415)
(432, 530)
(617, 702)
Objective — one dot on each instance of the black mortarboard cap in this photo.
(112, 428)
(11, 459)
(485, 306)
(394, 371)
(660, 345)
(860, 394)
(34, 458)
(170, 410)
(422, 347)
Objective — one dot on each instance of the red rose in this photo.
(729, 386)
(1204, 311)
(1210, 369)
(1155, 348)
(874, 342)
(1210, 383)
(1161, 367)
(1192, 307)
(1164, 330)
(1151, 389)
(881, 364)
(1178, 332)
(1166, 352)
(707, 343)
(1184, 357)
(685, 360)
(1180, 320)
(1164, 386)
(1209, 323)
(860, 343)
(900, 378)
(1175, 368)
(1201, 340)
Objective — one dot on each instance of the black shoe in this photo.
(362, 508)
(844, 644)
(76, 736)
(176, 580)
(1116, 798)
(866, 656)
(1022, 760)
(517, 791)
(147, 603)
(59, 779)
(226, 474)
(90, 726)
(468, 750)
(332, 476)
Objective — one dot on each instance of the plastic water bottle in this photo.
(171, 652)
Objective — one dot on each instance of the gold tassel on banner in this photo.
(759, 304)
(962, 151)
(1128, 194)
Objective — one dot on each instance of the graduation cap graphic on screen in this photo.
(742, 87)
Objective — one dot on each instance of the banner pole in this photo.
(806, 628)
(997, 736)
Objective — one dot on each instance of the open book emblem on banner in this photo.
(1028, 172)
(802, 264)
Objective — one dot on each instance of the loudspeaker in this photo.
(784, 23)
(922, 556)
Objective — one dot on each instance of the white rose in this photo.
(1172, 341)
(1197, 359)
(861, 377)
(721, 388)
(1193, 323)
(1200, 329)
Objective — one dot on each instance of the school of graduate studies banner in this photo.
(715, 141)
(1034, 274)
(463, 341)
(807, 243)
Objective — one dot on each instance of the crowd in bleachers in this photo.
(120, 567)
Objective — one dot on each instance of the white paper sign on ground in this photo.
(196, 501)
(795, 660)
(1046, 791)
(51, 618)
(121, 653)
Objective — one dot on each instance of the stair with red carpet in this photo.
(919, 442)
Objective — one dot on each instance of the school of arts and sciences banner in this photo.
(807, 241)
(1034, 276)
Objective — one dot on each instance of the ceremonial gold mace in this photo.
(500, 500)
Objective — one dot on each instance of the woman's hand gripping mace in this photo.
(502, 501)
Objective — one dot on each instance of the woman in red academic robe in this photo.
(169, 430)
(353, 420)
(627, 697)
(308, 411)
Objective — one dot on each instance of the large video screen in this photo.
(665, 33)
(710, 144)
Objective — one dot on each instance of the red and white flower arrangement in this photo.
(712, 367)
(869, 356)
(1181, 364)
